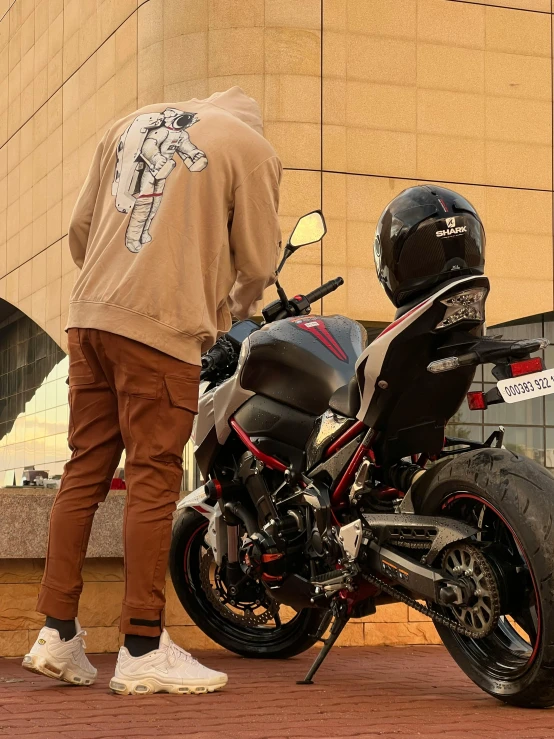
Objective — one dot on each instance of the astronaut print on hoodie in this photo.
(145, 159)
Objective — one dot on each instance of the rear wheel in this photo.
(510, 500)
(249, 623)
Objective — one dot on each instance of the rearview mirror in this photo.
(309, 229)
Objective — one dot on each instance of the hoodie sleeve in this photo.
(81, 218)
(255, 236)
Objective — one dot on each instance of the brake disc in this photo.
(481, 614)
(245, 614)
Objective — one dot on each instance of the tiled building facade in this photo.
(361, 98)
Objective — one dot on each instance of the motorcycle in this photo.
(330, 487)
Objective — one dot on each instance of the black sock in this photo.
(66, 629)
(138, 646)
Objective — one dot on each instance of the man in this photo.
(171, 238)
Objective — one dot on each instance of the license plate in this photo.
(527, 386)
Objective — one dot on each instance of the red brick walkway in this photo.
(388, 693)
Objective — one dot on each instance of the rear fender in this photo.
(216, 536)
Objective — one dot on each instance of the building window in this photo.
(33, 401)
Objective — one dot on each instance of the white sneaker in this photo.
(62, 660)
(168, 669)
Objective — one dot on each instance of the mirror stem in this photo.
(286, 255)
(282, 297)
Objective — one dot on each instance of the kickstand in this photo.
(339, 623)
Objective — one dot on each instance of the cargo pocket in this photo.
(178, 407)
(182, 392)
(80, 372)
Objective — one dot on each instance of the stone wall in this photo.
(100, 608)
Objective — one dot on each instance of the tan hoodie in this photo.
(176, 225)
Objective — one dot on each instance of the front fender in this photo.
(216, 536)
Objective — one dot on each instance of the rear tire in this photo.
(521, 493)
(290, 639)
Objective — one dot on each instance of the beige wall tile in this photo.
(185, 58)
(236, 51)
(38, 307)
(381, 60)
(125, 42)
(517, 33)
(451, 158)
(292, 51)
(451, 24)
(334, 97)
(381, 152)
(292, 14)
(150, 23)
(450, 69)
(518, 164)
(292, 98)
(391, 107)
(12, 288)
(233, 13)
(105, 60)
(186, 90)
(518, 75)
(53, 262)
(53, 300)
(334, 51)
(182, 17)
(381, 17)
(542, 6)
(463, 115)
(25, 277)
(298, 144)
(39, 271)
(150, 74)
(528, 121)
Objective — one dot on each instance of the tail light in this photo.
(468, 305)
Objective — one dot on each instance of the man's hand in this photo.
(158, 161)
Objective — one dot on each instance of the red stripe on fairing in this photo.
(323, 335)
(394, 324)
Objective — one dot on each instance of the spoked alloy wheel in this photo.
(248, 622)
(509, 500)
(508, 651)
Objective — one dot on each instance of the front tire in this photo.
(275, 642)
(511, 499)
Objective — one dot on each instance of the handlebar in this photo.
(323, 290)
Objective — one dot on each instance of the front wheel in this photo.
(510, 501)
(250, 623)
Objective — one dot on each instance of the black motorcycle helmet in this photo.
(425, 236)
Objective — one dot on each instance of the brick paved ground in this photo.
(383, 692)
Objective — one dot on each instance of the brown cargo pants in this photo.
(122, 394)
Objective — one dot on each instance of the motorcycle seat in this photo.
(346, 400)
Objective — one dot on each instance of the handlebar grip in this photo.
(323, 290)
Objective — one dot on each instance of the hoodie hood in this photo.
(239, 104)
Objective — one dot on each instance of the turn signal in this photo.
(477, 401)
(527, 366)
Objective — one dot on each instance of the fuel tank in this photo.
(302, 361)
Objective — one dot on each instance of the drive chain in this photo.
(425, 610)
